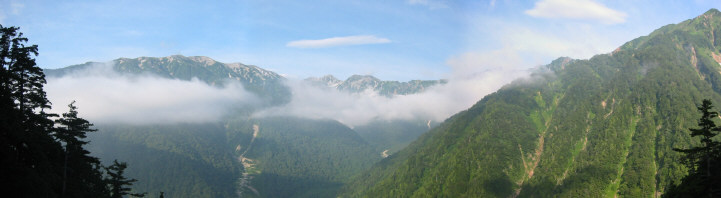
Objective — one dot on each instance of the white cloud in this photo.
(338, 41)
(474, 76)
(571, 41)
(540, 43)
(576, 9)
(104, 96)
(432, 4)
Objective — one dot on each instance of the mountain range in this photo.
(266, 157)
(359, 83)
(601, 127)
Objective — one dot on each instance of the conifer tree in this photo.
(38, 159)
(119, 185)
(82, 174)
(29, 155)
(704, 178)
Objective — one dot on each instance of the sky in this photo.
(478, 46)
(393, 40)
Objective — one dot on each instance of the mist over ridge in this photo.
(107, 96)
(115, 93)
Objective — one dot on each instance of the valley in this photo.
(360, 99)
(602, 126)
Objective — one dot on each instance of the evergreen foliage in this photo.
(30, 156)
(82, 173)
(119, 185)
(40, 157)
(292, 157)
(704, 161)
(182, 160)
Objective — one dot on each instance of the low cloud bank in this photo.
(474, 76)
(105, 96)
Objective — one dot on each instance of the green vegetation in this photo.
(306, 158)
(703, 179)
(392, 135)
(43, 155)
(182, 160)
(289, 157)
(602, 127)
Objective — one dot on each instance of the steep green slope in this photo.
(183, 160)
(292, 157)
(391, 136)
(602, 127)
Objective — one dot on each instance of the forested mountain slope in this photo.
(602, 127)
(265, 157)
(284, 157)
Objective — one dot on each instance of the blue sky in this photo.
(393, 40)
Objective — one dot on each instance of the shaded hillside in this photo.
(183, 160)
(292, 157)
(602, 127)
(392, 136)
(285, 157)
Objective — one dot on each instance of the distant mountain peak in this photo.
(263, 82)
(712, 11)
(203, 59)
(698, 31)
(357, 77)
(327, 81)
(360, 83)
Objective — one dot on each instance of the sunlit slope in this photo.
(602, 127)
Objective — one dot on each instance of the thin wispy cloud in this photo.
(577, 9)
(14, 9)
(338, 41)
(432, 4)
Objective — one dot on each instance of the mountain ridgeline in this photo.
(360, 83)
(267, 84)
(602, 127)
(240, 155)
